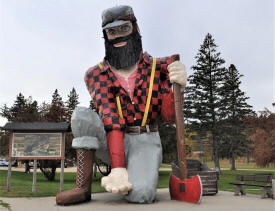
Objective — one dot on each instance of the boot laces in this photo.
(80, 177)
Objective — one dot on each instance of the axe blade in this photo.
(192, 192)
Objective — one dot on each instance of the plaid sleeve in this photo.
(100, 89)
(167, 108)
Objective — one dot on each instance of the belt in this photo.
(141, 129)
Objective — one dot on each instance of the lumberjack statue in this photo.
(131, 91)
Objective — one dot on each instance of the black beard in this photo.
(126, 56)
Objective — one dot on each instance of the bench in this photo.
(263, 181)
(209, 177)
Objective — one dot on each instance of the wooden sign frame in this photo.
(37, 157)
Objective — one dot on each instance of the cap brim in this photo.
(115, 23)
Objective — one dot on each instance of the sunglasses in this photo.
(120, 30)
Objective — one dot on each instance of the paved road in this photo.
(223, 201)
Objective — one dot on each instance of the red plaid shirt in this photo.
(103, 87)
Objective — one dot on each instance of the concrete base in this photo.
(225, 201)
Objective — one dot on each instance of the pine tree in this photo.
(6, 113)
(202, 97)
(19, 103)
(57, 111)
(23, 110)
(29, 113)
(43, 110)
(57, 99)
(233, 111)
(71, 103)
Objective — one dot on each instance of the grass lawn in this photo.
(240, 164)
(225, 164)
(21, 183)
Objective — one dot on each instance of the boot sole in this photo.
(73, 203)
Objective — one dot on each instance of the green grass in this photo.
(5, 205)
(21, 183)
(164, 165)
(226, 165)
(240, 165)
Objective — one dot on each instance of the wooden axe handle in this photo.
(180, 127)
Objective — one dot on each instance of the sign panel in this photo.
(37, 145)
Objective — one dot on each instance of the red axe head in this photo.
(189, 190)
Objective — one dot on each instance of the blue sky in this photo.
(48, 45)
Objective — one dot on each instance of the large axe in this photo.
(183, 189)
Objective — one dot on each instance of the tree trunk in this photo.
(49, 173)
(48, 168)
(233, 167)
(247, 157)
(216, 152)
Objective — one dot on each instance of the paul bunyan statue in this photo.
(132, 92)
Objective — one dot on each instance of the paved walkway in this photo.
(223, 201)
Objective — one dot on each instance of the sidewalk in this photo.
(223, 201)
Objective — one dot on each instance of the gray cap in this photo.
(117, 16)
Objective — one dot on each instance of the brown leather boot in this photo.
(82, 189)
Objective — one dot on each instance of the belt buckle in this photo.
(138, 130)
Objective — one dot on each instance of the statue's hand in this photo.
(117, 181)
(177, 73)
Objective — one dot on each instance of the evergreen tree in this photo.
(43, 110)
(12, 112)
(23, 110)
(18, 105)
(29, 113)
(202, 97)
(57, 99)
(233, 111)
(71, 103)
(57, 111)
(6, 113)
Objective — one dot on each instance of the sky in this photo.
(48, 45)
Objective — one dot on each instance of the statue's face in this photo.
(123, 45)
(119, 31)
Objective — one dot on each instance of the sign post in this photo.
(9, 176)
(62, 176)
(34, 176)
